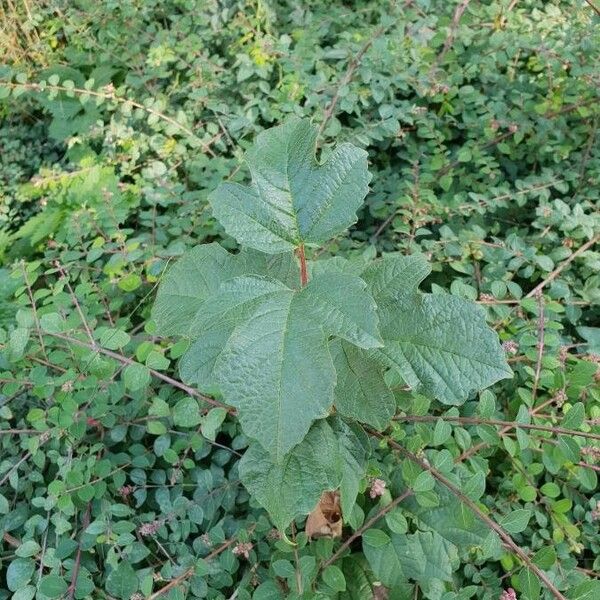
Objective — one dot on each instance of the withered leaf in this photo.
(326, 518)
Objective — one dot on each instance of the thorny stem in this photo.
(508, 541)
(77, 565)
(303, 271)
(507, 424)
(128, 361)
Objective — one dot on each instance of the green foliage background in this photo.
(117, 121)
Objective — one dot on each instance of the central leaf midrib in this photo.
(280, 382)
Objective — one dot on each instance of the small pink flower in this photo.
(377, 488)
(243, 549)
(126, 490)
(150, 528)
(508, 594)
(560, 398)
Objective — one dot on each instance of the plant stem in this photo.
(128, 361)
(540, 344)
(508, 424)
(303, 271)
(76, 566)
(509, 542)
(366, 525)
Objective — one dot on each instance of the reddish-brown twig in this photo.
(458, 13)
(186, 574)
(128, 361)
(303, 270)
(563, 265)
(77, 564)
(504, 536)
(499, 422)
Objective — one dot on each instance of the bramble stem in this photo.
(504, 536)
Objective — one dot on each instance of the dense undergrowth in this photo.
(118, 119)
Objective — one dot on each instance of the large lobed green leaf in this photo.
(265, 346)
(192, 279)
(198, 274)
(293, 199)
(439, 343)
(361, 392)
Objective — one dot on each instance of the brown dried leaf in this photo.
(326, 518)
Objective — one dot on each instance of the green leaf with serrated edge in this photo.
(114, 339)
(362, 584)
(53, 586)
(18, 573)
(340, 303)
(200, 271)
(592, 336)
(376, 538)
(545, 557)
(334, 264)
(586, 590)
(186, 413)
(264, 345)
(515, 521)
(438, 343)
(291, 486)
(353, 445)
(196, 276)
(334, 578)
(361, 392)
(394, 277)
(293, 199)
(442, 345)
(283, 267)
(529, 584)
(422, 556)
(574, 418)
(122, 582)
